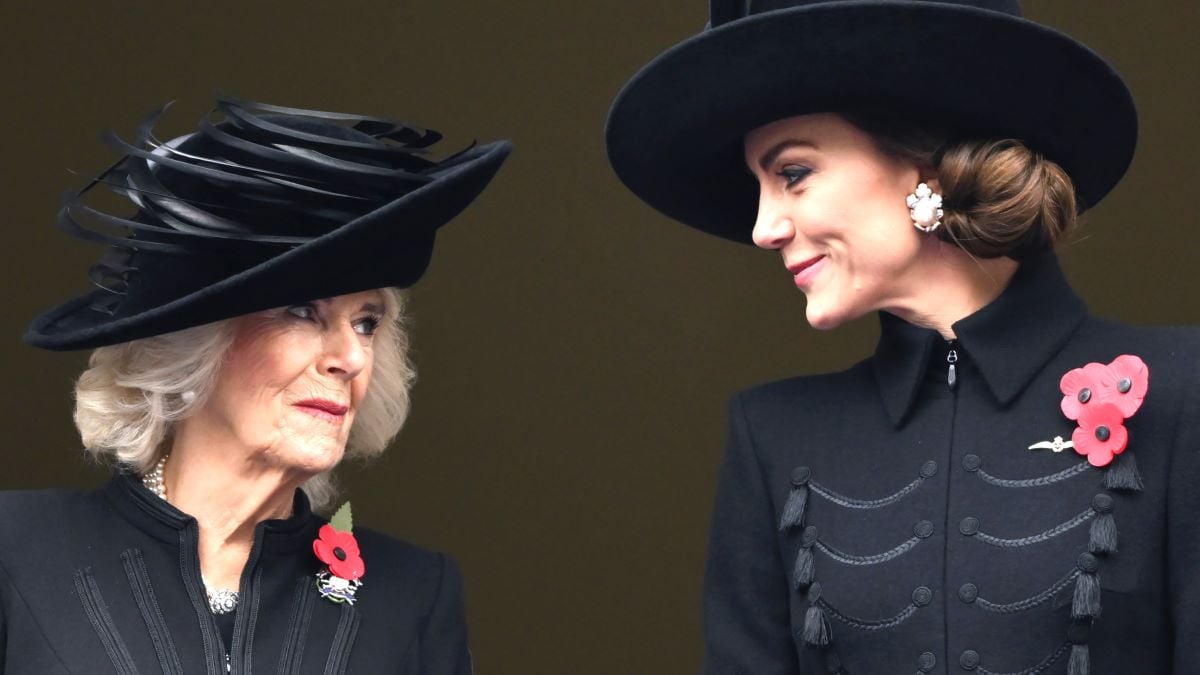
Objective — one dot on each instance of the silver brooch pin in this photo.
(1056, 445)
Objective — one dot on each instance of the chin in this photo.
(313, 458)
(823, 319)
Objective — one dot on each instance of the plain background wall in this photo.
(575, 348)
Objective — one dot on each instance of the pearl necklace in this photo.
(220, 601)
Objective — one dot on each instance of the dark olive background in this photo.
(575, 348)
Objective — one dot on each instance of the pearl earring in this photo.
(187, 397)
(925, 208)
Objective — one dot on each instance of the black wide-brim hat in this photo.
(973, 68)
(265, 207)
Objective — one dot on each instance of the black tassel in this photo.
(817, 631)
(793, 510)
(802, 572)
(797, 501)
(1122, 473)
(1086, 602)
(1080, 662)
(1103, 537)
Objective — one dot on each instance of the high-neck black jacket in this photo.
(109, 582)
(880, 521)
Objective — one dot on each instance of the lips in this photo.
(804, 271)
(323, 408)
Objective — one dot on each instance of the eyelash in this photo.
(308, 312)
(793, 175)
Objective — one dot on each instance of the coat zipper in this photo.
(951, 359)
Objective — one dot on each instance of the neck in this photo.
(229, 492)
(948, 284)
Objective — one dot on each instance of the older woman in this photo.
(967, 498)
(248, 335)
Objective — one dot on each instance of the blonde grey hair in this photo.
(132, 394)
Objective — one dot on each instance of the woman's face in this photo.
(293, 379)
(833, 205)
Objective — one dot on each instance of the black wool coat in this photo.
(878, 521)
(109, 582)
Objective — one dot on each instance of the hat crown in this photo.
(723, 11)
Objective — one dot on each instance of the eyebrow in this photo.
(367, 306)
(768, 158)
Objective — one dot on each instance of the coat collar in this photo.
(1008, 341)
(159, 519)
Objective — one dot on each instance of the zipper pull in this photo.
(951, 359)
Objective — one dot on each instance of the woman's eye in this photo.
(305, 311)
(368, 325)
(794, 174)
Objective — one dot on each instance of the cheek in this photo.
(257, 372)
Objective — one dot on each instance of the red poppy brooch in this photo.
(336, 547)
(1101, 398)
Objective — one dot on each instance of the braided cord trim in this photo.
(1035, 482)
(1030, 602)
(863, 624)
(1039, 668)
(857, 560)
(852, 503)
(1048, 534)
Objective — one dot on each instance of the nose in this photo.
(344, 355)
(773, 229)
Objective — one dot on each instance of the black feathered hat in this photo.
(975, 67)
(261, 207)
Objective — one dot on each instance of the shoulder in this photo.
(414, 571)
(1172, 353)
(398, 554)
(27, 511)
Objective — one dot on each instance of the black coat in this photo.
(109, 581)
(931, 539)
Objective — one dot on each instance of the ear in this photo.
(929, 176)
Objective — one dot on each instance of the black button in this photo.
(1102, 433)
(809, 536)
(926, 662)
(929, 469)
(1087, 563)
(972, 462)
(1125, 385)
(800, 475)
(1102, 503)
(923, 529)
(922, 596)
(1085, 395)
(969, 659)
(968, 592)
(969, 525)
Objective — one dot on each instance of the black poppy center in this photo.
(1085, 395)
(1124, 385)
(1102, 433)
(341, 555)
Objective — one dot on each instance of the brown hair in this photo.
(1000, 197)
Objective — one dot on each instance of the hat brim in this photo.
(388, 247)
(674, 133)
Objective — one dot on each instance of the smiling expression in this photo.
(832, 203)
(293, 379)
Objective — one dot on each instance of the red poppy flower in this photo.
(1101, 433)
(339, 550)
(1124, 383)
(1081, 387)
